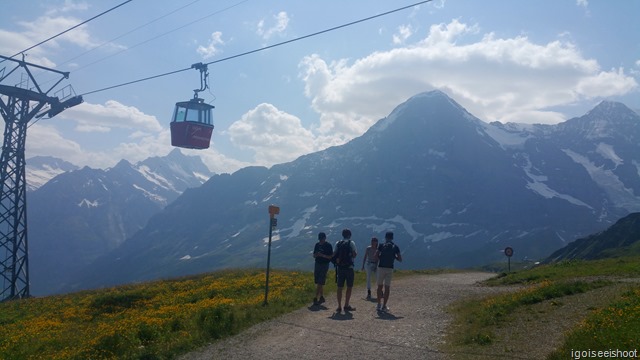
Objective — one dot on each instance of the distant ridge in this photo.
(622, 238)
(41, 169)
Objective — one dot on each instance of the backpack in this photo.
(387, 254)
(343, 255)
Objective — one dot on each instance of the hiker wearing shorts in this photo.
(344, 253)
(387, 254)
(322, 252)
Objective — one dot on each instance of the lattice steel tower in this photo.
(20, 103)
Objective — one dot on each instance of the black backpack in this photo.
(387, 254)
(344, 254)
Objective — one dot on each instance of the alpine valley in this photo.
(455, 190)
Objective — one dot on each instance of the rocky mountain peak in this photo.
(607, 120)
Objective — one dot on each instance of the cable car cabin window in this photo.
(194, 112)
(178, 114)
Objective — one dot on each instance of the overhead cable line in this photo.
(163, 34)
(125, 34)
(263, 48)
(71, 28)
(148, 40)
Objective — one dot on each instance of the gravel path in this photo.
(414, 329)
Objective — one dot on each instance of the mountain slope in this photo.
(81, 215)
(622, 238)
(454, 189)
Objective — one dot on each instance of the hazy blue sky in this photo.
(512, 61)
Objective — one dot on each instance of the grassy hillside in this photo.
(567, 306)
(585, 305)
(154, 320)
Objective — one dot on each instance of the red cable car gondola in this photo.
(192, 123)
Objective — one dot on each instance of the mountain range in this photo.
(83, 214)
(455, 190)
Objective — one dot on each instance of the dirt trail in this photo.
(414, 329)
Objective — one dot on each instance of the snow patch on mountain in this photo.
(609, 182)
(158, 179)
(538, 186)
(301, 223)
(440, 236)
(515, 138)
(275, 236)
(155, 197)
(607, 152)
(88, 203)
(271, 192)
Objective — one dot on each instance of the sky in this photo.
(540, 61)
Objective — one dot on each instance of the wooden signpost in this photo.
(273, 222)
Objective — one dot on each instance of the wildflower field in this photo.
(155, 320)
(615, 326)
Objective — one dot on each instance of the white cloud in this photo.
(583, 3)
(212, 48)
(216, 161)
(69, 5)
(636, 71)
(404, 32)
(30, 33)
(273, 135)
(281, 23)
(44, 27)
(505, 79)
(46, 140)
(98, 117)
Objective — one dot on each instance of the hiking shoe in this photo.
(339, 310)
(385, 309)
(349, 308)
(378, 307)
(321, 300)
(315, 301)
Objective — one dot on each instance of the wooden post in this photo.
(273, 222)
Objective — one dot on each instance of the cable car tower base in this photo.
(18, 106)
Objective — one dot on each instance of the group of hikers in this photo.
(378, 262)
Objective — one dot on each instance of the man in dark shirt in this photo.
(322, 252)
(387, 254)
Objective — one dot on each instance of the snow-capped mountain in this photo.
(41, 169)
(83, 214)
(455, 190)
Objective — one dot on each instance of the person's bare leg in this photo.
(386, 295)
(347, 296)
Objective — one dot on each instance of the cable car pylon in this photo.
(20, 104)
